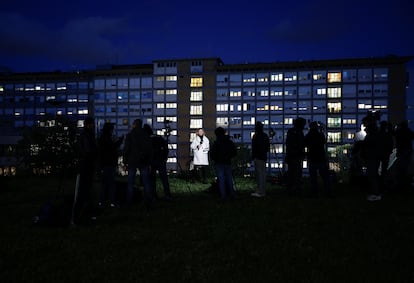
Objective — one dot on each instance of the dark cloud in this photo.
(91, 40)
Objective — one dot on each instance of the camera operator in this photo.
(200, 147)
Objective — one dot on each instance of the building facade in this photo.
(176, 97)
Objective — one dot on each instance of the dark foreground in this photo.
(196, 238)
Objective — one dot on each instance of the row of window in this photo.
(378, 74)
(354, 75)
(43, 111)
(306, 91)
(38, 87)
(315, 105)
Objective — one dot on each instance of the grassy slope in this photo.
(198, 239)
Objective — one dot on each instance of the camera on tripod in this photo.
(271, 133)
(167, 128)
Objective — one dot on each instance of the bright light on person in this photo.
(359, 136)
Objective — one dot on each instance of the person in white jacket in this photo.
(200, 147)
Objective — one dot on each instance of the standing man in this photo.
(138, 155)
(108, 159)
(222, 151)
(260, 149)
(295, 153)
(159, 163)
(88, 154)
(200, 146)
(315, 142)
(403, 142)
(371, 153)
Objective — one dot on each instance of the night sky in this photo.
(69, 35)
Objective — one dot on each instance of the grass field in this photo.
(196, 238)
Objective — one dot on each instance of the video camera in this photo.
(167, 128)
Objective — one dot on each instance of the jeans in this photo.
(373, 177)
(144, 172)
(108, 184)
(225, 181)
(161, 167)
(294, 175)
(82, 207)
(260, 170)
(323, 172)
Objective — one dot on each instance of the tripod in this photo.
(275, 155)
(172, 153)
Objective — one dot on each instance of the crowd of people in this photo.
(148, 153)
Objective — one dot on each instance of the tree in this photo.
(50, 150)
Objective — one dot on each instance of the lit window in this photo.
(264, 92)
(334, 77)
(222, 107)
(196, 110)
(235, 93)
(334, 122)
(196, 82)
(249, 78)
(160, 105)
(334, 137)
(319, 76)
(196, 123)
(160, 78)
(349, 121)
(334, 92)
(290, 77)
(276, 92)
(334, 107)
(276, 77)
(171, 92)
(83, 111)
(288, 121)
(222, 122)
(196, 96)
(171, 78)
(262, 78)
(364, 106)
(171, 105)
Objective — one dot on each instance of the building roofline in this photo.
(148, 68)
(387, 60)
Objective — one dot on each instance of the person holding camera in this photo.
(200, 147)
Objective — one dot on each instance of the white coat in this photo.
(200, 150)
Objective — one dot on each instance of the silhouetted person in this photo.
(295, 153)
(200, 146)
(108, 159)
(260, 149)
(88, 153)
(387, 144)
(138, 155)
(222, 151)
(371, 154)
(315, 142)
(403, 143)
(159, 163)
